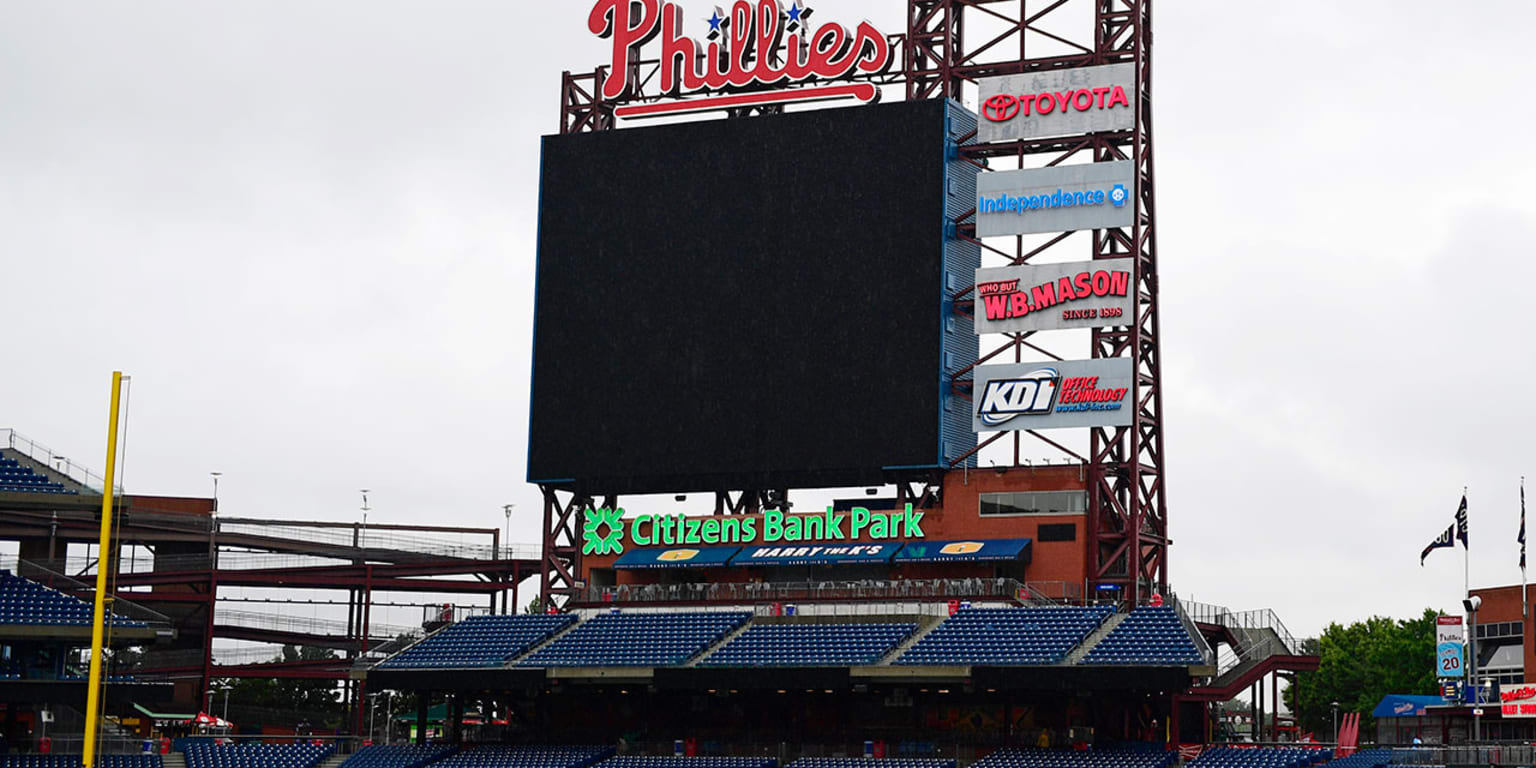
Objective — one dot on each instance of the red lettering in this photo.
(1120, 283)
(678, 54)
(610, 18)
(1044, 296)
(1100, 283)
(1064, 289)
(1063, 100)
(1043, 104)
(1084, 284)
(869, 39)
(1100, 92)
(1117, 96)
(737, 72)
(1018, 305)
(767, 40)
(830, 51)
(996, 306)
(1083, 100)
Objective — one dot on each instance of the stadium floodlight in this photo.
(1472, 603)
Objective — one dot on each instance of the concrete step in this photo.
(333, 761)
(1094, 638)
(174, 760)
(925, 624)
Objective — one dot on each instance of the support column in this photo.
(423, 699)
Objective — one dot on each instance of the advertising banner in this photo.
(1057, 102)
(1053, 395)
(1448, 647)
(1061, 198)
(1079, 294)
(1518, 700)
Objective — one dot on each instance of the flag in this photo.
(1522, 524)
(1461, 521)
(1444, 540)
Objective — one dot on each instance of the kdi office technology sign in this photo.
(1079, 294)
(1054, 394)
(1448, 647)
(1057, 102)
(1061, 198)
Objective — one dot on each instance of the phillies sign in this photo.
(1057, 102)
(754, 46)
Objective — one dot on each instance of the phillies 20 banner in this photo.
(1448, 647)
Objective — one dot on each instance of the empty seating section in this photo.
(1263, 757)
(503, 756)
(1365, 758)
(1151, 756)
(204, 755)
(1006, 636)
(864, 762)
(809, 645)
(1149, 635)
(637, 639)
(23, 601)
(481, 641)
(14, 478)
(631, 761)
(397, 756)
(75, 761)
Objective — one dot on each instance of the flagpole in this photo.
(1466, 551)
(1524, 585)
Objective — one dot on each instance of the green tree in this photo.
(1361, 663)
(298, 696)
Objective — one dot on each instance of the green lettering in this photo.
(815, 527)
(773, 525)
(879, 526)
(913, 523)
(860, 519)
(693, 530)
(794, 528)
(730, 530)
(640, 539)
(711, 533)
(834, 525)
(748, 531)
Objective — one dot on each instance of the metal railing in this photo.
(301, 625)
(42, 454)
(827, 591)
(1242, 623)
(357, 535)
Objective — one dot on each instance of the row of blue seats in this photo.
(780, 645)
(637, 639)
(203, 755)
(398, 755)
(481, 641)
(1130, 756)
(1268, 757)
(14, 478)
(23, 601)
(502, 756)
(76, 761)
(1148, 635)
(1365, 758)
(1006, 636)
(875, 762)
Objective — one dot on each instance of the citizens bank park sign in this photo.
(1079, 294)
(747, 50)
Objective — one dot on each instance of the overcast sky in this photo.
(306, 229)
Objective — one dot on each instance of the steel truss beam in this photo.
(1128, 533)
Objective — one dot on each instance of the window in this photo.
(1057, 532)
(1034, 503)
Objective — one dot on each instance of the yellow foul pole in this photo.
(103, 557)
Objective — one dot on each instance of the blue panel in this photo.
(675, 557)
(1401, 705)
(818, 554)
(964, 550)
(961, 259)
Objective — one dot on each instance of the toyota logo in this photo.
(1000, 107)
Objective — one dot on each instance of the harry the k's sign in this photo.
(1057, 102)
(1078, 294)
(1050, 395)
(748, 48)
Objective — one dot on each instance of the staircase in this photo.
(721, 643)
(174, 760)
(1258, 645)
(330, 762)
(1094, 638)
(925, 624)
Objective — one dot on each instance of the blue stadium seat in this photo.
(633, 761)
(1261, 757)
(75, 761)
(15, 478)
(809, 645)
(503, 756)
(1148, 636)
(637, 639)
(23, 601)
(1126, 756)
(862, 762)
(480, 641)
(1006, 636)
(205, 755)
(398, 756)
(1365, 758)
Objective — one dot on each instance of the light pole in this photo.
(1472, 604)
(373, 706)
(1335, 724)
(226, 688)
(208, 705)
(362, 537)
(215, 476)
(506, 543)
